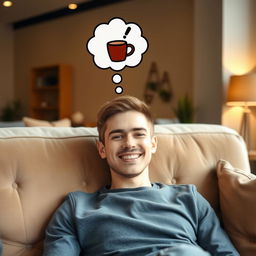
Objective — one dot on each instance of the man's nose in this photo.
(129, 141)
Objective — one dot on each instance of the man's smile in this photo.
(130, 156)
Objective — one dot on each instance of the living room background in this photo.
(191, 40)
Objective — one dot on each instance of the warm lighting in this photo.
(72, 6)
(7, 3)
(242, 92)
(230, 117)
(238, 65)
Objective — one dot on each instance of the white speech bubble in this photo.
(125, 33)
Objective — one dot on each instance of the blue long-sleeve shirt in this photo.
(135, 221)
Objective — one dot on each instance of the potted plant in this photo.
(11, 111)
(184, 110)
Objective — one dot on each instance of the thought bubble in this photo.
(117, 44)
(115, 31)
(116, 78)
(118, 90)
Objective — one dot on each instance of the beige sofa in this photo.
(39, 166)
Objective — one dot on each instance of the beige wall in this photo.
(239, 53)
(6, 65)
(167, 24)
(207, 60)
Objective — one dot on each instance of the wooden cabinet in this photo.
(51, 92)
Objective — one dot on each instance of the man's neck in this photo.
(118, 181)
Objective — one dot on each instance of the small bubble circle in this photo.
(116, 78)
(118, 89)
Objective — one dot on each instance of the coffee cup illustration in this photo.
(118, 50)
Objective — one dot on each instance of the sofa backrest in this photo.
(39, 166)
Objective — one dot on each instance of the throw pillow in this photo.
(65, 122)
(237, 190)
(31, 122)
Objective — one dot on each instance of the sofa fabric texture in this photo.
(40, 165)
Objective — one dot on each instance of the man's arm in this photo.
(210, 235)
(60, 234)
(1, 248)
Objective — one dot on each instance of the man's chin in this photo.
(128, 174)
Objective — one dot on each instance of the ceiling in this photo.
(24, 9)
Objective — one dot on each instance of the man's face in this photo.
(129, 143)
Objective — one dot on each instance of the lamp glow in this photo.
(72, 6)
(7, 3)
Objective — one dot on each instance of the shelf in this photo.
(45, 108)
(51, 92)
(46, 88)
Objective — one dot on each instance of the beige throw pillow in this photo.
(30, 122)
(237, 190)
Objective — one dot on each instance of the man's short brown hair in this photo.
(120, 105)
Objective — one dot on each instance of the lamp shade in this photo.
(242, 90)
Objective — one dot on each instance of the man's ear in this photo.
(101, 149)
(154, 144)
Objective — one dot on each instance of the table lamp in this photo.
(242, 92)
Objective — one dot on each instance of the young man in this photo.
(132, 216)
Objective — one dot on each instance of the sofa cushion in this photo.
(237, 202)
(30, 122)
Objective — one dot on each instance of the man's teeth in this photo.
(127, 157)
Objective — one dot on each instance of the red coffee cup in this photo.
(117, 50)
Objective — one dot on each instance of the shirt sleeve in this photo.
(1, 247)
(211, 237)
(60, 235)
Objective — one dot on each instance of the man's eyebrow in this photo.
(116, 131)
(123, 131)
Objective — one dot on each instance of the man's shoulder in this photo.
(80, 193)
(190, 188)
(78, 200)
(179, 190)
(80, 196)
